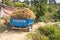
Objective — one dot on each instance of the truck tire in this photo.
(9, 28)
(28, 29)
(31, 26)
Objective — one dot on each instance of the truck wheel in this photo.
(9, 28)
(31, 27)
(28, 29)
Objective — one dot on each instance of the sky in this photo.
(58, 1)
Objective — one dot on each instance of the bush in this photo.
(24, 5)
(43, 19)
(18, 4)
(34, 9)
(9, 3)
(50, 31)
(37, 36)
(0, 27)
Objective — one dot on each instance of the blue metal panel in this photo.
(21, 22)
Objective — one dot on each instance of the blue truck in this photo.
(21, 23)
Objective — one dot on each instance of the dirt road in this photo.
(13, 36)
(17, 34)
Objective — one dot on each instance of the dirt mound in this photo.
(24, 13)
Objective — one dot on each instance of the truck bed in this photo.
(21, 23)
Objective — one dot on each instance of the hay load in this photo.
(24, 13)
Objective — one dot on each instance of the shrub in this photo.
(24, 5)
(0, 27)
(18, 4)
(50, 31)
(36, 36)
(9, 3)
(43, 19)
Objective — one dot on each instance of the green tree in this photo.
(51, 12)
(18, 4)
(57, 16)
(9, 2)
(57, 4)
(15, 0)
(41, 6)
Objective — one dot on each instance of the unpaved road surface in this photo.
(13, 36)
(18, 34)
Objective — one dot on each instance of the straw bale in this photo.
(23, 13)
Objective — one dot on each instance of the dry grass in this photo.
(23, 13)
